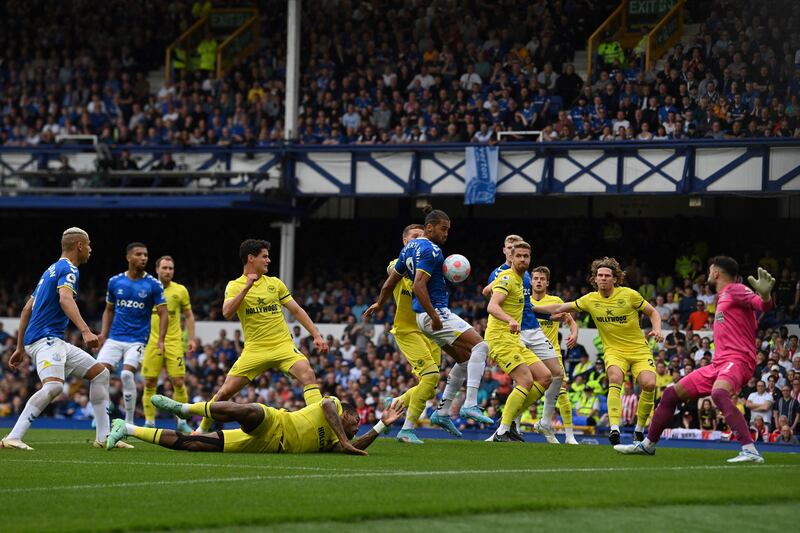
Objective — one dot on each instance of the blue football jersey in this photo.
(529, 320)
(422, 254)
(133, 300)
(47, 317)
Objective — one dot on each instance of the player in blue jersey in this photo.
(535, 340)
(42, 325)
(422, 259)
(130, 298)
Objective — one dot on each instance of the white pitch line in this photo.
(179, 465)
(377, 474)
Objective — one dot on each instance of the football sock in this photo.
(423, 392)
(454, 381)
(128, 394)
(663, 415)
(614, 404)
(645, 409)
(147, 406)
(513, 406)
(536, 392)
(146, 434)
(550, 397)
(179, 394)
(475, 367)
(311, 394)
(36, 404)
(565, 410)
(733, 416)
(200, 408)
(98, 398)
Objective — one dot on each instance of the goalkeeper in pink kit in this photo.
(734, 359)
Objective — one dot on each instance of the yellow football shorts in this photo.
(510, 353)
(257, 359)
(635, 363)
(172, 360)
(420, 352)
(266, 438)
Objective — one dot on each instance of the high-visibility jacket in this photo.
(610, 52)
(208, 54)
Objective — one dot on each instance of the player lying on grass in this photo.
(325, 426)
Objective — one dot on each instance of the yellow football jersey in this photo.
(177, 297)
(662, 382)
(549, 327)
(405, 319)
(617, 319)
(509, 283)
(260, 312)
(307, 430)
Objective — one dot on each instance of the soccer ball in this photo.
(456, 268)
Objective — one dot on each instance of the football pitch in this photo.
(445, 485)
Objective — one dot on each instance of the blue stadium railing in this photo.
(758, 166)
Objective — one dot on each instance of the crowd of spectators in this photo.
(389, 72)
(364, 365)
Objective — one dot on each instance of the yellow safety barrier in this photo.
(665, 34)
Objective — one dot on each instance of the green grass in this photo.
(443, 485)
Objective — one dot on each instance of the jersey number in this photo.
(410, 266)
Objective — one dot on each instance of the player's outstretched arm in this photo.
(420, 289)
(390, 415)
(386, 290)
(335, 422)
(24, 317)
(554, 309)
(763, 286)
(67, 301)
(301, 316)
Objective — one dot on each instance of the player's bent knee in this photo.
(670, 396)
(720, 395)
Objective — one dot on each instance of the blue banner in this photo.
(481, 174)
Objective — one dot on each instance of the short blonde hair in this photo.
(71, 237)
(513, 238)
(521, 244)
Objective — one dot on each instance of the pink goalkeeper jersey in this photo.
(735, 323)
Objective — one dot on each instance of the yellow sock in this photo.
(514, 405)
(149, 408)
(311, 394)
(202, 409)
(179, 393)
(424, 391)
(537, 391)
(565, 408)
(614, 404)
(406, 397)
(645, 407)
(147, 434)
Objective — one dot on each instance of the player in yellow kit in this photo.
(615, 311)
(422, 353)
(178, 304)
(531, 377)
(325, 426)
(258, 300)
(540, 281)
